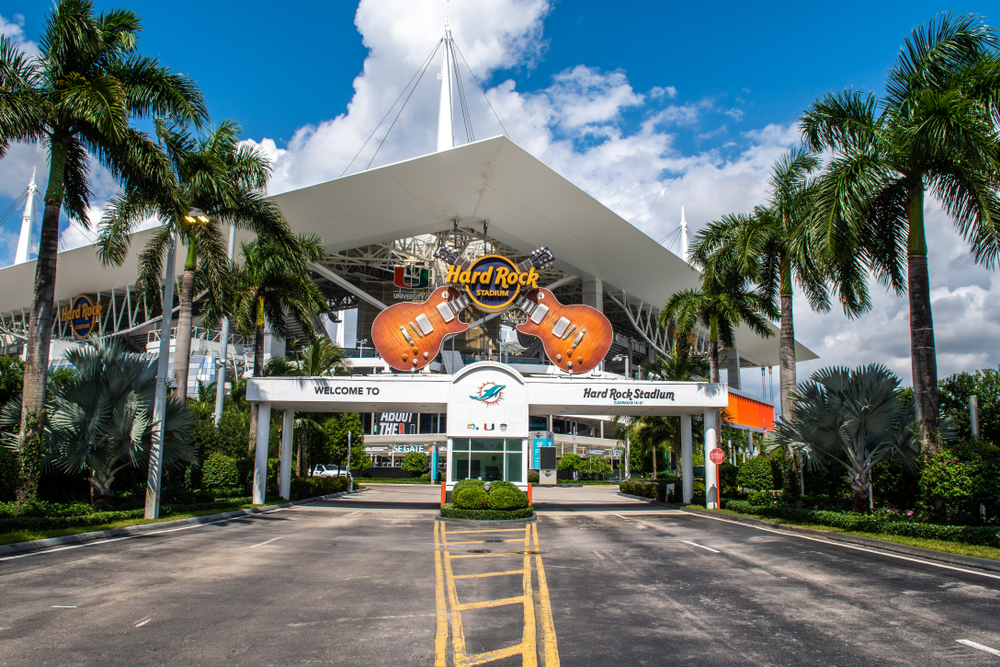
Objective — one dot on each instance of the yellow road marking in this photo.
(441, 633)
(488, 574)
(550, 649)
(485, 604)
(449, 607)
(452, 544)
(491, 530)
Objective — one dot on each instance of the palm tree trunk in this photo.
(923, 358)
(859, 491)
(654, 460)
(713, 351)
(36, 367)
(302, 460)
(786, 361)
(182, 346)
(258, 371)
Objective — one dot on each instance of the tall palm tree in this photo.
(776, 244)
(78, 96)
(935, 129)
(223, 179)
(724, 301)
(272, 281)
(854, 418)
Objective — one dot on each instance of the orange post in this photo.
(718, 488)
(444, 494)
(529, 493)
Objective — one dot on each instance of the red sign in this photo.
(717, 456)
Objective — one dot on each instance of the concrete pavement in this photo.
(363, 581)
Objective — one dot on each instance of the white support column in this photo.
(711, 483)
(687, 467)
(260, 462)
(27, 221)
(285, 480)
(445, 135)
(750, 448)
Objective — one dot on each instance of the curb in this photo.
(647, 500)
(80, 538)
(881, 545)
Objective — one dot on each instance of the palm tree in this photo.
(854, 418)
(776, 245)
(934, 130)
(100, 418)
(78, 96)
(217, 176)
(272, 281)
(724, 301)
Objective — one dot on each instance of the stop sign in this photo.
(717, 456)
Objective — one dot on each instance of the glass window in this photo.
(487, 466)
(459, 466)
(514, 468)
(487, 444)
(460, 444)
(513, 444)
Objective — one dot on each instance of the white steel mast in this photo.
(446, 133)
(27, 222)
(684, 237)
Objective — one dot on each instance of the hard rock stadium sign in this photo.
(410, 335)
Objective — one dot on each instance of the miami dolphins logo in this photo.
(490, 393)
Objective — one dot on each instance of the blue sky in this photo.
(647, 106)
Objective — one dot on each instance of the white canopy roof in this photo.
(526, 204)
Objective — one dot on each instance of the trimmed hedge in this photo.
(220, 471)
(310, 487)
(449, 511)
(987, 536)
(507, 498)
(9, 524)
(651, 490)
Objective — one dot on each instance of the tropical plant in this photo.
(724, 301)
(220, 179)
(935, 129)
(853, 418)
(273, 280)
(569, 462)
(100, 420)
(78, 96)
(955, 392)
(645, 436)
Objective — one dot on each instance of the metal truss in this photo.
(645, 320)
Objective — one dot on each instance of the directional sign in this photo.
(717, 456)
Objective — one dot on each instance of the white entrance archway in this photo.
(486, 398)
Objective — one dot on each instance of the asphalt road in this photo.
(369, 580)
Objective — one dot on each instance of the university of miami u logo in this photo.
(399, 278)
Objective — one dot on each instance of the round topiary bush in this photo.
(466, 483)
(756, 474)
(507, 498)
(220, 471)
(471, 498)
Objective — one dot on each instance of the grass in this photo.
(29, 535)
(991, 553)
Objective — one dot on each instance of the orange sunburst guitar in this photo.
(575, 337)
(410, 335)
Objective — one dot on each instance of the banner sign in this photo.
(596, 452)
(83, 315)
(394, 423)
(492, 281)
(406, 449)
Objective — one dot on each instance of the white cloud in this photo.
(13, 29)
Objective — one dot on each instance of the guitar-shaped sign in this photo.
(575, 337)
(410, 335)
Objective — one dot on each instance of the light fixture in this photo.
(196, 215)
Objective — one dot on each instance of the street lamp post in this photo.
(223, 361)
(155, 476)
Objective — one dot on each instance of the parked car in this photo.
(327, 470)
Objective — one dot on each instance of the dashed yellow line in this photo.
(486, 604)
(488, 574)
(549, 647)
(441, 631)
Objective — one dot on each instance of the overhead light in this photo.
(196, 215)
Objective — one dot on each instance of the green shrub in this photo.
(466, 483)
(855, 522)
(533, 477)
(471, 498)
(760, 498)
(220, 471)
(426, 477)
(311, 487)
(10, 471)
(450, 511)
(651, 490)
(415, 462)
(756, 474)
(507, 498)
